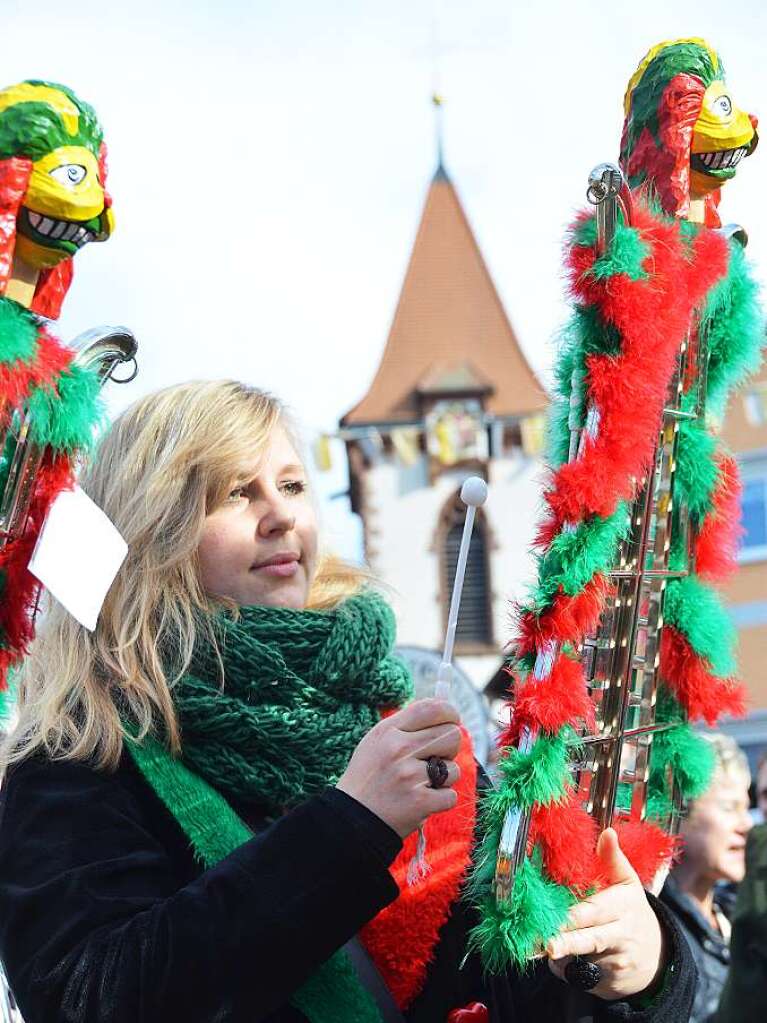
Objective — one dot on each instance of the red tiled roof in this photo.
(449, 322)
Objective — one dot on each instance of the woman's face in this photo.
(716, 829)
(260, 545)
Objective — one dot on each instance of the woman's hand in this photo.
(387, 771)
(615, 928)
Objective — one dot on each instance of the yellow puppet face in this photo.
(63, 207)
(722, 136)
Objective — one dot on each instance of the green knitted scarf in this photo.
(300, 690)
(333, 994)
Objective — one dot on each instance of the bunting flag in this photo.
(323, 458)
(533, 431)
(406, 441)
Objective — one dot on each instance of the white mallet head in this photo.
(474, 491)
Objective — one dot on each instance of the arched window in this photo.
(475, 619)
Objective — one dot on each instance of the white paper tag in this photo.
(78, 555)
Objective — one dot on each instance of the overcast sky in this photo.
(269, 161)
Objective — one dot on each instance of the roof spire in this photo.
(437, 103)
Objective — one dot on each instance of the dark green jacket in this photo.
(744, 999)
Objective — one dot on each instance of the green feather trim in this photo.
(574, 558)
(18, 333)
(626, 255)
(696, 610)
(696, 468)
(733, 325)
(524, 779)
(684, 751)
(511, 933)
(66, 418)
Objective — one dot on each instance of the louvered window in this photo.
(474, 617)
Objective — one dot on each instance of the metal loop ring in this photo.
(124, 380)
(436, 768)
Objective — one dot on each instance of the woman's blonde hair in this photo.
(730, 762)
(165, 461)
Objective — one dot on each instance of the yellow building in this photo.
(745, 431)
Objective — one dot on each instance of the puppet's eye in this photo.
(723, 106)
(69, 174)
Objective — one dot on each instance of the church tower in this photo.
(453, 396)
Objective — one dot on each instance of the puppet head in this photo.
(53, 197)
(683, 135)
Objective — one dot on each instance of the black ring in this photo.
(436, 768)
(582, 973)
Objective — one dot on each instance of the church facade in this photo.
(453, 396)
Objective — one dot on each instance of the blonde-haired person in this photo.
(207, 797)
(714, 834)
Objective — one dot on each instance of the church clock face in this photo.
(424, 665)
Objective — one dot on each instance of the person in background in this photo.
(760, 785)
(714, 845)
(745, 991)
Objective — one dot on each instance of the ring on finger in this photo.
(582, 973)
(437, 771)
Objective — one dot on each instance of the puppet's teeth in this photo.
(34, 218)
(45, 225)
(70, 232)
(59, 229)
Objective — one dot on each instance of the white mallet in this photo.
(473, 494)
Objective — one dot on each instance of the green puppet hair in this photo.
(34, 129)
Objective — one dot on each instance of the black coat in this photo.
(106, 917)
(710, 950)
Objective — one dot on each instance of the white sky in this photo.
(269, 161)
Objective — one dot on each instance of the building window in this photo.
(754, 509)
(475, 620)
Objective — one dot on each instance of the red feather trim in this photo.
(17, 615)
(647, 847)
(701, 694)
(402, 939)
(51, 359)
(567, 620)
(629, 389)
(567, 837)
(716, 545)
(561, 699)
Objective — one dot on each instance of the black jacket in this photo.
(710, 950)
(744, 998)
(105, 917)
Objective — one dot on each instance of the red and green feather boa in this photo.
(634, 305)
(38, 371)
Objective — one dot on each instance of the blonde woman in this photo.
(714, 835)
(212, 801)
